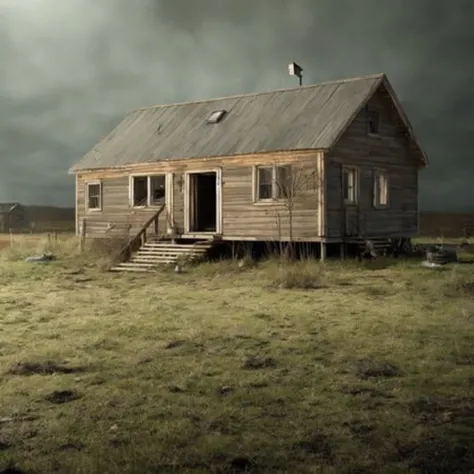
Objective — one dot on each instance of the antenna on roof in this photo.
(296, 70)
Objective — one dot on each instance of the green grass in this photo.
(275, 367)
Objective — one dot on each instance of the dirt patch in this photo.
(4, 445)
(359, 429)
(365, 391)
(12, 470)
(317, 445)
(241, 464)
(176, 389)
(459, 287)
(254, 363)
(174, 344)
(436, 411)
(82, 279)
(71, 447)
(47, 367)
(373, 368)
(437, 454)
(263, 316)
(62, 396)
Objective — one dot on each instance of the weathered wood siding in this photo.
(390, 151)
(242, 218)
(115, 212)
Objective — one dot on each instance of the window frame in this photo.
(148, 203)
(150, 200)
(370, 114)
(275, 193)
(87, 196)
(355, 186)
(377, 173)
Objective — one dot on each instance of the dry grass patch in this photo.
(222, 369)
(296, 275)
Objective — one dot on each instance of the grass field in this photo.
(298, 368)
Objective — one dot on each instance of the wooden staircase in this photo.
(380, 245)
(147, 251)
(154, 254)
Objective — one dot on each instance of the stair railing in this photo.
(141, 237)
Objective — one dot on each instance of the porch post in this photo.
(323, 251)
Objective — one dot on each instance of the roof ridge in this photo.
(250, 94)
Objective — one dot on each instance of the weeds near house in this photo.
(226, 368)
(300, 274)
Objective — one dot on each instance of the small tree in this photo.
(292, 182)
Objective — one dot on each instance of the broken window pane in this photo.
(373, 122)
(140, 190)
(158, 189)
(265, 182)
(284, 182)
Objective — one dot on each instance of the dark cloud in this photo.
(71, 70)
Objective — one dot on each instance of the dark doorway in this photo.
(203, 202)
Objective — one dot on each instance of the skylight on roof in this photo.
(216, 116)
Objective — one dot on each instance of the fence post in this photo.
(83, 233)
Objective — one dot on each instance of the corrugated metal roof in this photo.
(308, 117)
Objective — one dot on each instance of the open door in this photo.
(203, 202)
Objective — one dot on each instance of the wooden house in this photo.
(12, 217)
(329, 163)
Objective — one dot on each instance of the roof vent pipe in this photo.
(296, 70)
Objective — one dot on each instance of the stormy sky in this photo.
(70, 70)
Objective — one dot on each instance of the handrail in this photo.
(141, 235)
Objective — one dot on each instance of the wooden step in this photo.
(151, 255)
(155, 261)
(152, 250)
(136, 264)
(178, 248)
(130, 269)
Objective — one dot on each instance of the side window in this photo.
(284, 183)
(349, 185)
(94, 196)
(373, 122)
(380, 188)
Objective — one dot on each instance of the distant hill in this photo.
(50, 213)
(447, 224)
(51, 218)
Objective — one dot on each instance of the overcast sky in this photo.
(71, 69)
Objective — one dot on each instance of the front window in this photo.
(140, 190)
(94, 196)
(148, 190)
(265, 183)
(273, 182)
(157, 189)
(284, 182)
(349, 176)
